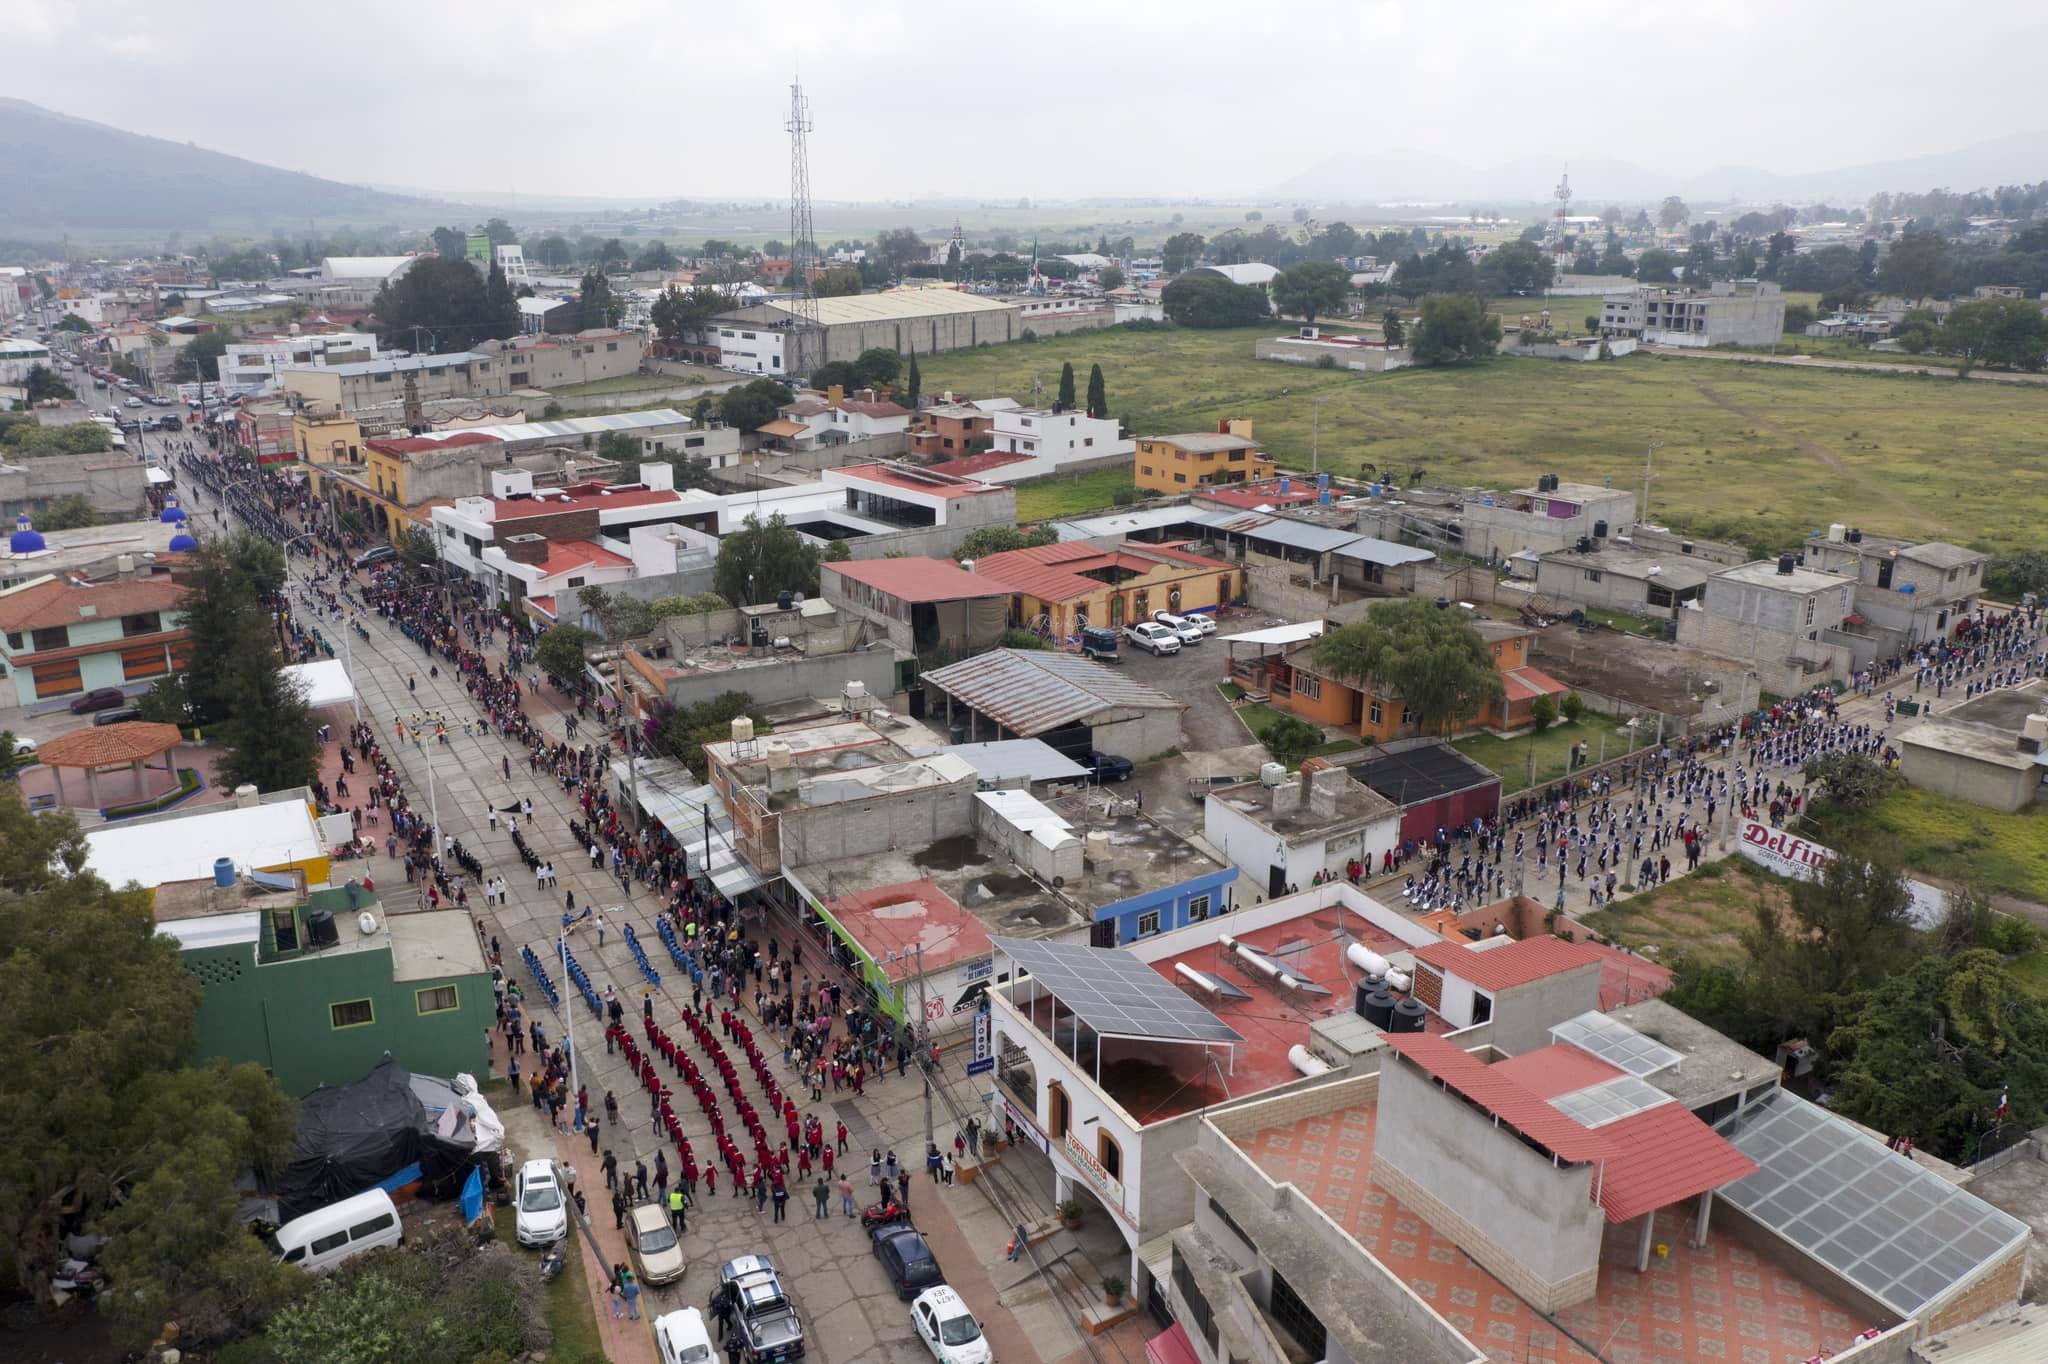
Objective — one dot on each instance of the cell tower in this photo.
(1559, 221)
(803, 246)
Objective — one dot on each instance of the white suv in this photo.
(1183, 626)
(1153, 636)
(541, 1208)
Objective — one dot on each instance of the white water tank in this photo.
(246, 796)
(366, 923)
(1299, 1057)
(1399, 980)
(778, 755)
(1096, 847)
(1837, 532)
(1195, 978)
(1272, 774)
(743, 729)
(856, 694)
(1366, 960)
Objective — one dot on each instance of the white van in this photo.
(325, 1237)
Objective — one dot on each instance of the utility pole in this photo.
(568, 1014)
(1643, 512)
(924, 1029)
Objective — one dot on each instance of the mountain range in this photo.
(1403, 176)
(64, 174)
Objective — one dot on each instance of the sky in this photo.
(636, 98)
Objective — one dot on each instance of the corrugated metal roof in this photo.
(1301, 535)
(1122, 523)
(1031, 759)
(1031, 691)
(1240, 522)
(1385, 553)
(920, 579)
(897, 306)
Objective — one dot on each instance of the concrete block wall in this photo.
(856, 828)
(1545, 1295)
(1357, 1091)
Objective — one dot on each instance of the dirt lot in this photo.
(1640, 672)
(1701, 915)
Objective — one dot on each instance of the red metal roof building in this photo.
(1503, 968)
(916, 579)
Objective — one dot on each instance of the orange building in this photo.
(1378, 715)
(1057, 589)
(948, 431)
(1522, 684)
(1201, 459)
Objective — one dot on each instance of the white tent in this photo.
(326, 682)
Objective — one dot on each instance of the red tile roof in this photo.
(414, 445)
(1662, 1155)
(1503, 968)
(882, 408)
(1556, 1069)
(1500, 1095)
(919, 579)
(109, 745)
(1057, 572)
(967, 466)
(518, 509)
(49, 604)
(1526, 684)
(565, 555)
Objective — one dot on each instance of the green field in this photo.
(1551, 750)
(1760, 454)
(1701, 915)
(1044, 499)
(1955, 841)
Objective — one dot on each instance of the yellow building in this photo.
(1200, 459)
(1060, 588)
(326, 436)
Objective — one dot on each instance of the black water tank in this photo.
(1408, 1016)
(1599, 530)
(757, 633)
(1856, 537)
(1378, 1010)
(1585, 544)
(1785, 563)
(785, 600)
(320, 930)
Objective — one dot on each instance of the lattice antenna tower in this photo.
(803, 244)
(1560, 220)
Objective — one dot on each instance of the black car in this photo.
(119, 715)
(98, 700)
(380, 554)
(906, 1259)
(1110, 767)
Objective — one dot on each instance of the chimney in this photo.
(526, 549)
(1287, 798)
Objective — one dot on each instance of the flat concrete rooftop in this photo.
(995, 890)
(1711, 1060)
(1358, 805)
(1144, 855)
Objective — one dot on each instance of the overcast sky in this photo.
(638, 98)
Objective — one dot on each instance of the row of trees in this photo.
(2006, 333)
(442, 306)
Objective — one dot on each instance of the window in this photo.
(1809, 610)
(353, 1013)
(370, 1228)
(1110, 1154)
(1180, 478)
(147, 661)
(1592, 576)
(438, 999)
(1148, 923)
(284, 929)
(611, 345)
(52, 637)
(1216, 1209)
(15, 640)
(1198, 908)
(1309, 685)
(335, 1241)
(1372, 712)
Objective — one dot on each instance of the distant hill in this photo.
(1398, 176)
(62, 174)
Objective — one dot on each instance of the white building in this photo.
(1050, 440)
(1727, 313)
(750, 350)
(353, 281)
(254, 365)
(850, 419)
(18, 356)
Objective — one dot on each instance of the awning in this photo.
(154, 476)
(674, 799)
(786, 429)
(1278, 634)
(1171, 1346)
(326, 682)
(1301, 535)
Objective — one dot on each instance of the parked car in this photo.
(24, 749)
(765, 1317)
(119, 715)
(376, 554)
(131, 402)
(682, 1339)
(906, 1259)
(654, 1245)
(1098, 643)
(97, 699)
(1205, 623)
(169, 422)
(1184, 629)
(947, 1328)
(541, 1213)
(1153, 637)
(1110, 767)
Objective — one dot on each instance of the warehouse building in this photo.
(769, 338)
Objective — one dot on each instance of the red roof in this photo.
(1526, 684)
(1662, 1155)
(1057, 572)
(1499, 1094)
(1556, 1069)
(55, 602)
(1250, 495)
(1503, 968)
(891, 919)
(967, 466)
(413, 445)
(915, 480)
(919, 579)
(518, 509)
(881, 408)
(566, 555)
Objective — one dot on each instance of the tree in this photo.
(501, 308)
(260, 562)
(655, 256)
(1672, 212)
(43, 385)
(561, 651)
(106, 1121)
(2010, 333)
(268, 731)
(678, 313)
(1657, 267)
(446, 300)
(1572, 707)
(1109, 278)
(898, 247)
(835, 374)
(840, 281)
(1311, 289)
(760, 561)
(876, 367)
(1181, 251)
(67, 513)
(1516, 268)
(1391, 330)
(1429, 657)
(438, 1296)
(72, 322)
(983, 541)
(682, 731)
(611, 254)
(620, 446)
(836, 553)
(753, 404)
(1290, 740)
(223, 619)
(1212, 301)
(916, 381)
(553, 250)
(1098, 393)
(500, 232)
(199, 360)
(450, 244)
(1916, 266)
(1542, 714)
(598, 307)
(1798, 317)
(1453, 328)
(1066, 399)
(619, 617)
(1700, 265)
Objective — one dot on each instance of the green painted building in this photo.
(416, 986)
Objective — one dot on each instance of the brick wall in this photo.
(1996, 1287)
(1358, 1091)
(1544, 1297)
(580, 524)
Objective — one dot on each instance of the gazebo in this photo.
(129, 744)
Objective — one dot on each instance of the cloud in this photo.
(633, 98)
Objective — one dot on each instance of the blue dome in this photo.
(173, 515)
(182, 542)
(26, 538)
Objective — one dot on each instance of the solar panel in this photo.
(1116, 994)
(1616, 1043)
(1610, 1100)
(1900, 1232)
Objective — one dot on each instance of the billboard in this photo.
(1785, 854)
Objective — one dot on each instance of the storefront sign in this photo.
(1090, 1166)
(1026, 1125)
(983, 1060)
(1790, 855)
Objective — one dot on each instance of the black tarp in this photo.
(355, 1137)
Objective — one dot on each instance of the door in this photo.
(1059, 1110)
(1116, 612)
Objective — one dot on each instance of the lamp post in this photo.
(914, 955)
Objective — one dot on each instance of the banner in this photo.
(1786, 854)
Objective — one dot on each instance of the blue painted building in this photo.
(1141, 877)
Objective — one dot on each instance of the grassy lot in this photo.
(1510, 757)
(571, 1318)
(1842, 348)
(1700, 915)
(1046, 499)
(1259, 717)
(618, 383)
(2030, 972)
(1761, 454)
(1954, 840)
(1623, 620)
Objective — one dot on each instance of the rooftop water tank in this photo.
(1378, 1010)
(778, 755)
(1096, 846)
(1300, 1058)
(743, 729)
(1272, 774)
(224, 872)
(1408, 1016)
(1398, 980)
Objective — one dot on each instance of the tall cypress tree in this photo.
(916, 381)
(1098, 397)
(270, 734)
(501, 309)
(1067, 400)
